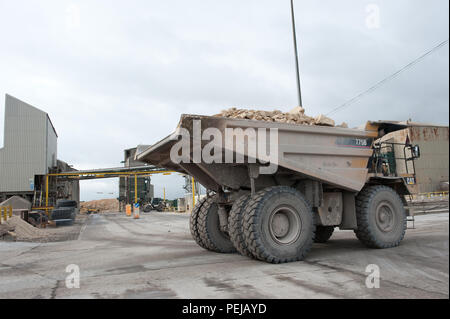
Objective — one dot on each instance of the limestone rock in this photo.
(295, 116)
(323, 120)
(297, 111)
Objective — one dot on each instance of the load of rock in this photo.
(102, 205)
(295, 116)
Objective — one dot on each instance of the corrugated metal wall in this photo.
(52, 145)
(30, 146)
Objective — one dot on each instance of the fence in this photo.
(430, 195)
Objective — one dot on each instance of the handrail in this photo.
(429, 195)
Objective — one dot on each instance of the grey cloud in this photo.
(130, 69)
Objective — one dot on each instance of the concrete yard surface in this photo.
(155, 257)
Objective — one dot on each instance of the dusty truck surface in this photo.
(272, 208)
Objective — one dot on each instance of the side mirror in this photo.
(415, 150)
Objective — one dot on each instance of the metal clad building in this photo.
(145, 188)
(432, 168)
(30, 146)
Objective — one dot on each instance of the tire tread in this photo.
(235, 226)
(251, 235)
(364, 232)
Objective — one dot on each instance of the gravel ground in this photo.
(155, 257)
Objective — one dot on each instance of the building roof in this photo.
(412, 124)
(33, 107)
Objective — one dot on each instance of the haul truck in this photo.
(326, 177)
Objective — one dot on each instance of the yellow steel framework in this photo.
(5, 213)
(93, 175)
(193, 193)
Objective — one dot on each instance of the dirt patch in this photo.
(102, 205)
(16, 229)
(22, 231)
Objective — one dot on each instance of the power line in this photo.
(387, 79)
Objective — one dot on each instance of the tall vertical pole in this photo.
(135, 190)
(294, 33)
(46, 191)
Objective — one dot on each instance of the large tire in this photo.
(66, 203)
(323, 234)
(62, 213)
(193, 224)
(278, 225)
(381, 217)
(235, 226)
(148, 208)
(39, 217)
(209, 228)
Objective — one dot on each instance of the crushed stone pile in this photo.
(295, 116)
(103, 205)
(5, 229)
(22, 231)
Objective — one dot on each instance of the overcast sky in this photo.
(114, 74)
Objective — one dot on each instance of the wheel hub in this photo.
(280, 225)
(284, 225)
(385, 217)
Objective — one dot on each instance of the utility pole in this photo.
(296, 55)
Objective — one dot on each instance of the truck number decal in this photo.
(361, 142)
(354, 142)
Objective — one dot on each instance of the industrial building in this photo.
(29, 153)
(432, 167)
(145, 189)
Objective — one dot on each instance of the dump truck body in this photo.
(334, 156)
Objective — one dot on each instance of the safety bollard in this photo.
(136, 211)
(128, 210)
(10, 211)
(4, 213)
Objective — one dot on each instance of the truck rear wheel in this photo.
(381, 217)
(209, 228)
(193, 224)
(323, 234)
(278, 225)
(235, 225)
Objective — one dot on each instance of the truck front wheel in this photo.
(278, 225)
(380, 216)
